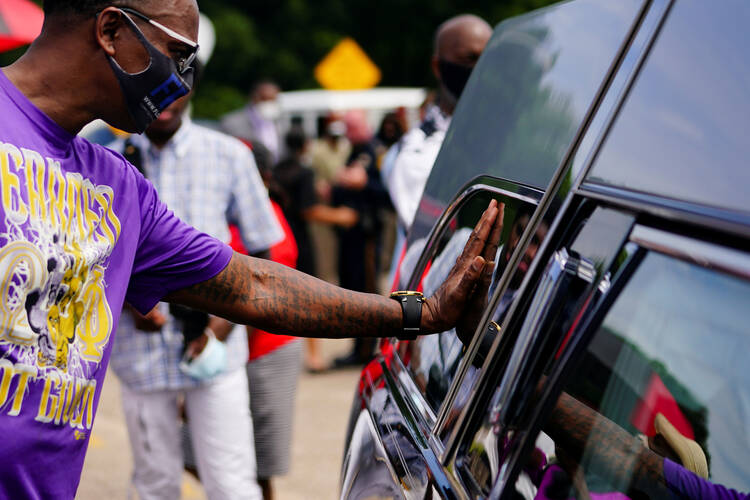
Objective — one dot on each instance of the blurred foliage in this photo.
(284, 40)
(11, 55)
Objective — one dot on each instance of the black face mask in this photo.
(150, 91)
(454, 76)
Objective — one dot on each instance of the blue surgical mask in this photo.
(210, 362)
(148, 92)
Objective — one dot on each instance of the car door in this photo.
(527, 167)
(640, 387)
(403, 399)
(409, 403)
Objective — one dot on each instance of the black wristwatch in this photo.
(411, 308)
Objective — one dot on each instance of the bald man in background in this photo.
(458, 43)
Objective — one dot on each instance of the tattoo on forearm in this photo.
(613, 452)
(222, 288)
(282, 300)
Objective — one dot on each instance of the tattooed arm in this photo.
(613, 452)
(281, 300)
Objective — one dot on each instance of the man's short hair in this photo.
(83, 7)
(295, 139)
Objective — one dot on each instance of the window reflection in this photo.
(529, 94)
(659, 406)
(519, 226)
(434, 359)
(682, 132)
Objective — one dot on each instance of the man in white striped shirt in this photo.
(209, 180)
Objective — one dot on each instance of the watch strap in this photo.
(411, 308)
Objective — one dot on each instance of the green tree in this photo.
(284, 40)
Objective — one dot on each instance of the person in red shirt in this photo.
(274, 361)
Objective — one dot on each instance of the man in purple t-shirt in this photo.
(81, 232)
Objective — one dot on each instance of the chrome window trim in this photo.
(481, 184)
(560, 266)
(477, 185)
(415, 397)
(515, 258)
(710, 218)
(702, 253)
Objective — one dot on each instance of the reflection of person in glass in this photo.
(667, 465)
(432, 357)
(468, 325)
(523, 266)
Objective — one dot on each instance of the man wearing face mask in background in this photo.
(458, 43)
(209, 180)
(82, 231)
(257, 122)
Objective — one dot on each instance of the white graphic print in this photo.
(58, 231)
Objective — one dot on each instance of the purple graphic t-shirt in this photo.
(81, 231)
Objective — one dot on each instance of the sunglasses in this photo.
(185, 61)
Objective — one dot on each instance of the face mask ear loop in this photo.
(141, 38)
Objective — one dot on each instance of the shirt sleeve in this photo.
(171, 255)
(686, 484)
(251, 206)
(408, 171)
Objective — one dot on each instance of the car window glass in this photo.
(527, 98)
(575, 275)
(433, 359)
(660, 402)
(682, 132)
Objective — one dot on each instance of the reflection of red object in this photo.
(371, 377)
(658, 399)
(572, 328)
(285, 252)
(430, 211)
(20, 23)
(397, 274)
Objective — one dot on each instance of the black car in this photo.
(608, 358)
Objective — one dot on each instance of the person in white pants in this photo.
(225, 453)
(209, 180)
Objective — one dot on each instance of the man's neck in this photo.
(54, 88)
(446, 103)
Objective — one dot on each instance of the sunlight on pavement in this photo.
(321, 413)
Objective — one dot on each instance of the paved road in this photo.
(323, 403)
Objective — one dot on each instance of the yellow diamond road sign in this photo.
(347, 67)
